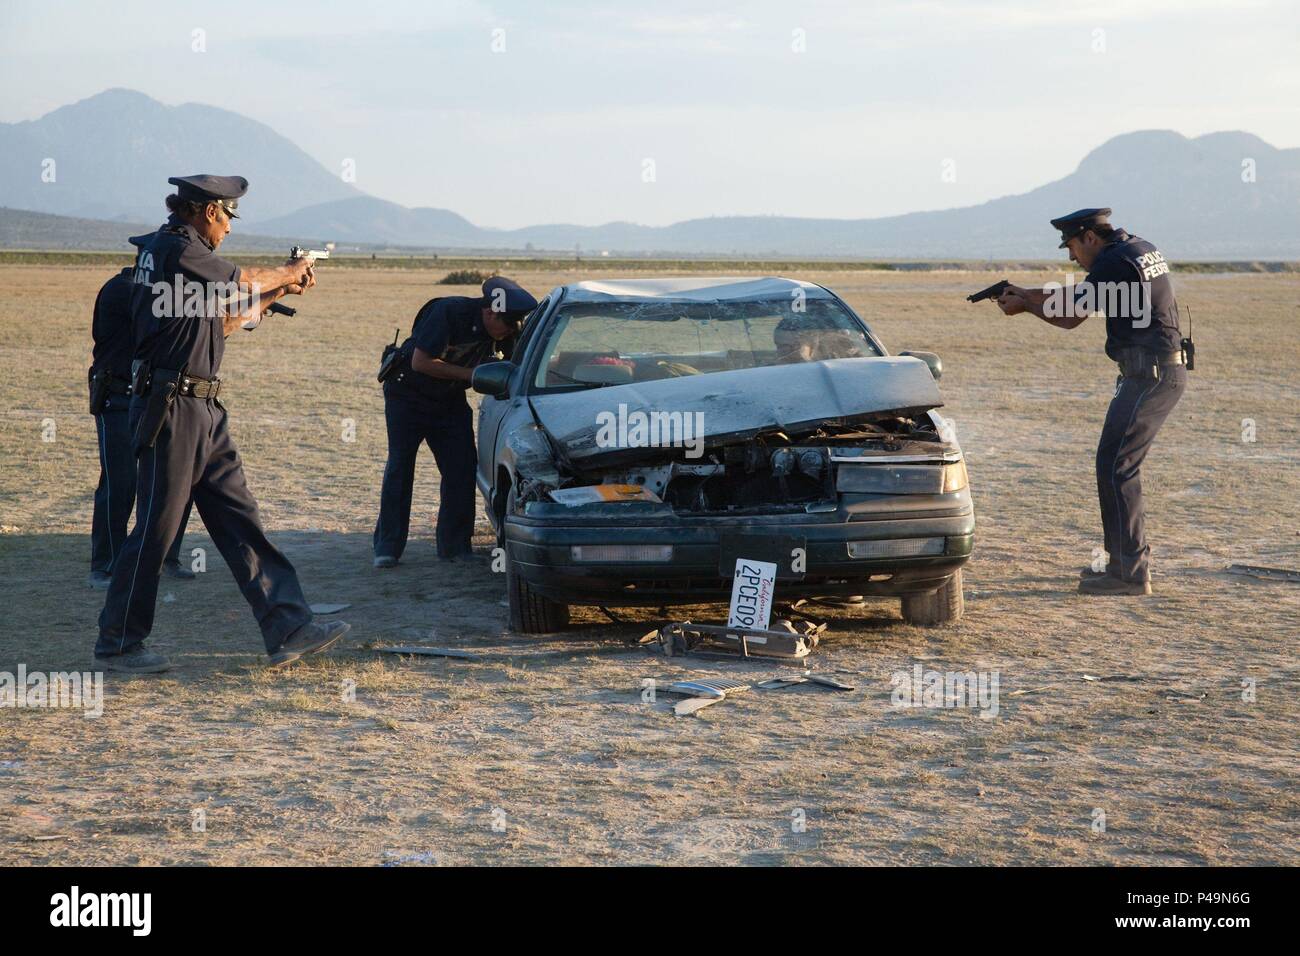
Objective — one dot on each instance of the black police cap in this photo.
(518, 301)
(225, 190)
(1078, 222)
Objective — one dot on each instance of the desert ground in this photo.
(544, 751)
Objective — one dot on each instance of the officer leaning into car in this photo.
(110, 400)
(1131, 277)
(424, 402)
(186, 300)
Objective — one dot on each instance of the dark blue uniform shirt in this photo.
(192, 335)
(1128, 276)
(111, 327)
(451, 329)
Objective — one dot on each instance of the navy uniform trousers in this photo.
(1137, 411)
(447, 426)
(194, 456)
(115, 493)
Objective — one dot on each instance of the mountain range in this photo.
(1217, 196)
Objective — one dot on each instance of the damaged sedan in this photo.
(649, 433)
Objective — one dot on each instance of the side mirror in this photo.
(492, 378)
(930, 359)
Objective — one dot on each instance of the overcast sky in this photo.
(515, 114)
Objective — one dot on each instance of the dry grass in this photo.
(575, 766)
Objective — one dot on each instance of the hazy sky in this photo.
(739, 111)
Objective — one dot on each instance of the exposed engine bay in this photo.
(769, 472)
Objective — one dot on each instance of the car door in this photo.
(493, 412)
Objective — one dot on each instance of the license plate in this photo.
(785, 551)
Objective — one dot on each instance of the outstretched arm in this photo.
(254, 306)
(1015, 300)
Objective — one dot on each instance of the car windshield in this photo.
(614, 343)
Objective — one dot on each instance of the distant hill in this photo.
(1187, 195)
(114, 151)
(20, 229)
(365, 219)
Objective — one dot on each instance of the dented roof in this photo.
(690, 289)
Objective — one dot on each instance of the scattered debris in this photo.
(428, 651)
(685, 708)
(1268, 574)
(703, 693)
(503, 654)
(328, 608)
(807, 677)
(783, 640)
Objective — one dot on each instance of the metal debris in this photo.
(1268, 574)
(703, 693)
(426, 651)
(784, 641)
(807, 677)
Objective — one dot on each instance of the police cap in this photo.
(508, 299)
(225, 190)
(1079, 222)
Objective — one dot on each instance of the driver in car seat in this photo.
(806, 338)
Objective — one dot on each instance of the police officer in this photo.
(110, 400)
(424, 401)
(186, 300)
(1128, 280)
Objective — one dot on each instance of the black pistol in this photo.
(992, 292)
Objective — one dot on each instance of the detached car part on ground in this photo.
(649, 433)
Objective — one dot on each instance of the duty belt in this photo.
(117, 385)
(1141, 363)
(199, 387)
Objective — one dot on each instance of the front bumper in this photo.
(539, 542)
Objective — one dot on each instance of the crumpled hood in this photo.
(740, 403)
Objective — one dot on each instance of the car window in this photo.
(620, 342)
(529, 328)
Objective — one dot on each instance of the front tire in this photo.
(530, 613)
(933, 608)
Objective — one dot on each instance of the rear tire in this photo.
(933, 608)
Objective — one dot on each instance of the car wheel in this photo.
(530, 613)
(935, 607)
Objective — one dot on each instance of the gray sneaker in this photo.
(1113, 586)
(174, 569)
(138, 660)
(309, 639)
(385, 561)
(100, 580)
(1088, 574)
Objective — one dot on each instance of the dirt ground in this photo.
(546, 752)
